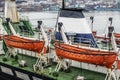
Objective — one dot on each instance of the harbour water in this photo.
(100, 24)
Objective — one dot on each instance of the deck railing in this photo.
(82, 41)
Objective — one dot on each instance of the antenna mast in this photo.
(63, 4)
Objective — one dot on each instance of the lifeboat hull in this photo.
(22, 43)
(97, 57)
(117, 36)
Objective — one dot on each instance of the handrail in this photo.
(81, 40)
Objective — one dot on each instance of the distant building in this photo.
(74, 1)
(108, 1)
(21, 1)
(39, 0)
(118, 3)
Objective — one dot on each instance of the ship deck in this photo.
(89, 75)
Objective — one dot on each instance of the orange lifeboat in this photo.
(87, 55)
(22, 43)
(99, 37)
(0, 37)
(117, 37)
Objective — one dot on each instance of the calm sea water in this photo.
(100, 19)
